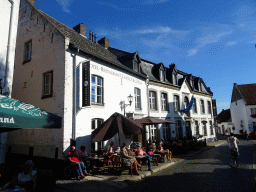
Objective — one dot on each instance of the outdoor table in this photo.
(95, 161)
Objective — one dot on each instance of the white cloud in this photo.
(65, 5)
(208, 39)
(155, 1)
(158, 30)
(230, 43)
(192, 52)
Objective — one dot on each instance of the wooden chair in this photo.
(117, 164)
(125, 166)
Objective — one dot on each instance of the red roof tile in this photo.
(248, 92)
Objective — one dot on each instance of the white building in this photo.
(62, 71)
(170, 90)
(243, 108)
(9, 12)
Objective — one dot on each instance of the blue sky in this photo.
(214, 40)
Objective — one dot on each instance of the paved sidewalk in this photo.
(104, 182)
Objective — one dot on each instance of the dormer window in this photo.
(136, 66)
(199, 86)
(162, 75)
(174, 79)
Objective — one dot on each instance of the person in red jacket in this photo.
(73, 158)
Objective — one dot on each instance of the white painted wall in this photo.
(239, 116)
(171, 115)
(9, 12)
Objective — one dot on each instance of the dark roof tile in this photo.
(248, 92)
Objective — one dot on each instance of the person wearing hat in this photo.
(140, 152)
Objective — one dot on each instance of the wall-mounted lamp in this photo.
(130, 98)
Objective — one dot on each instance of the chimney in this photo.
(173, 65)
(234, 84)
(104, 42)
(32, 2)
(80, 28)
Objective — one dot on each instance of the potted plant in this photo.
(253, 116)
(241, 131)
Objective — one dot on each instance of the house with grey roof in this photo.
(243, 108)
(68, 72)
(169, 91)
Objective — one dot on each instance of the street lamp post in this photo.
(130, 98)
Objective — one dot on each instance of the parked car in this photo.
(252, 135)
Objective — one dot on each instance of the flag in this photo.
(190, 106)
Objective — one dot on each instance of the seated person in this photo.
(130, 160)
(140, 152)
(127, 149)
(111, 149)
(26, 179)
(150, 151)
(72, 156)
(82, 154)
(167, 153)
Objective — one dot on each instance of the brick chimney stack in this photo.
(80, 28)
(173, 65)
(104, 42)
(32, 2)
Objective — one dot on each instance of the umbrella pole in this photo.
(119, 139)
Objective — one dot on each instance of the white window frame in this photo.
(176, 99)
(209, 107)
(98, 98)
(197, 131)
(174, 79)
(28, 51)
(97, 145)
(48, 84)
(164, 102)
(137, 97)
(194, 106)
(152, 100)
(253, 111)
(202, 106)
(179, 132)
(154, 131)
(165, 131)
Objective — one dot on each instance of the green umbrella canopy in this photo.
(15, 114)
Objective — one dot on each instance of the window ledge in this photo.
(26, 61)
(46, 96)
(99, 105)
(138, 110)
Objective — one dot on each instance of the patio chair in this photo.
(117, 164)
(126, 166)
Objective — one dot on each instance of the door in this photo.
(188, 129)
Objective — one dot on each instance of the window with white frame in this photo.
(194, 106)
(28, 51)
(199, 86)
(166, 131)
(154, 131)
(136, 66)
(164, 102)
(152, 100)
(137, 96)
(174, 79)
(176, 103)
(162, 75)
(47, 84)
(253, 111)
(179, 129)
(96, 90)
(196, 128)
(205, 129)
(202, 106)
(96, 145)
(211, 127)
(209, 107)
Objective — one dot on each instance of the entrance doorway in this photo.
(188, 129)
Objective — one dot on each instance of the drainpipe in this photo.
(74, 97)
(147, 84)
(8, 47)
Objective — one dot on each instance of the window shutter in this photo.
(86, 84)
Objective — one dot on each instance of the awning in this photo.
(15, 114)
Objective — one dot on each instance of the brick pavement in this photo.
(106, 182)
